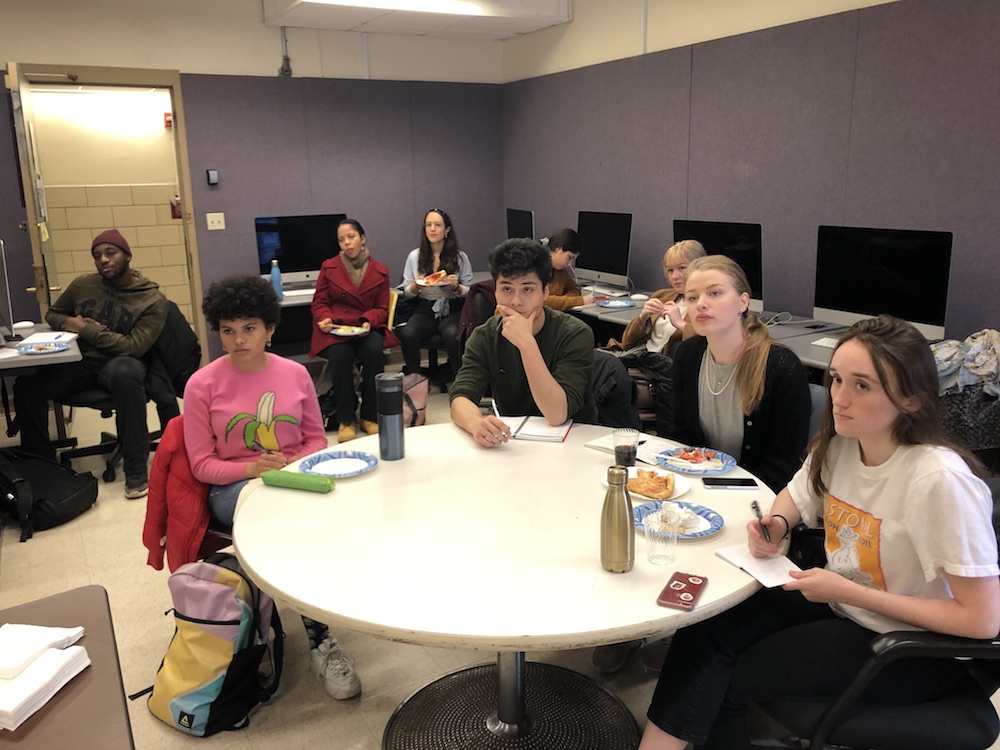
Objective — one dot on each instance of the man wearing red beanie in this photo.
(118, 315)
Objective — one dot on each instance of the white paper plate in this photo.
(339, 464)
(682, 485)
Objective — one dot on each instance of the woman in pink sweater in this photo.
(251, 411)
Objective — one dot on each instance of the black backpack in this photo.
(40, 493)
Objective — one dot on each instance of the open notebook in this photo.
(537, 428)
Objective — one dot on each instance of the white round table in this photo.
(463, 547)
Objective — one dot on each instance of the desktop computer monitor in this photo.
(605, 239)
(300, 243)
(520, 223)
(735, 240)
(861, 273)
(6, 311)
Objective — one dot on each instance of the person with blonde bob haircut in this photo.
(735, 388)
(663, 321)
(908, 543)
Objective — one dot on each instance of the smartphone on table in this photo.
(682, 591)
(729, 483)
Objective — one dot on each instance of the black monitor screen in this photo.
(300, 243)
(899, 272)
(735, 240)
(520, 223)
(605, 239)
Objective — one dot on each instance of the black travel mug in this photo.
(389, 393)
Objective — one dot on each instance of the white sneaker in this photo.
(331, 662)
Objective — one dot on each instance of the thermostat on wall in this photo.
(212, 175)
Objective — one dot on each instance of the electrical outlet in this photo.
(216, 221)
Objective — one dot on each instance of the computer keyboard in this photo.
(606, 291)
(828, 341)
(297, 292)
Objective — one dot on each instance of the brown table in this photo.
(90, 710)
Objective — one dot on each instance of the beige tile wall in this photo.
(141, 213)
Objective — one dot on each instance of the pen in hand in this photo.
(760, 519)
(260, 447)
(496, 411)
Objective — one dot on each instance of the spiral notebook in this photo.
(537, 428)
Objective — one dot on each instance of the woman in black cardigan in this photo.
(735, 388)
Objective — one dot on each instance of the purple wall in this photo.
(382, 152)
(883, 117)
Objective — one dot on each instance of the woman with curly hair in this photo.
(438, 301)
(251, 411)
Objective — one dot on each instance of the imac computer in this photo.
(861, 273)
(735, 240)
(605, 239)
(520, 223)
(300, 243)
(6, 313)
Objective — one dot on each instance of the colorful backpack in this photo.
(211, 676)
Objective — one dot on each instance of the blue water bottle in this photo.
(276, 279)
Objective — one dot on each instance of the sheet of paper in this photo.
(770, 571)
(48, 337)
(649, 447)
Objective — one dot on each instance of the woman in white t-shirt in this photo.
(909, 546)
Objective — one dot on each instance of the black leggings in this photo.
(775, 645)
(421, 326)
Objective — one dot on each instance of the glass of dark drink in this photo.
(626, 442)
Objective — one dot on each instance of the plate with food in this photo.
(697, 521)
(433, 279)
(701, 461)
(43, 348)
(616, 303)
(339, 464)
(656, 484)
(348, 330)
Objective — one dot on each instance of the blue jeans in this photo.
(222, 501)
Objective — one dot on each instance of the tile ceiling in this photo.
(485, 19)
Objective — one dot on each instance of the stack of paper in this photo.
(35, 662)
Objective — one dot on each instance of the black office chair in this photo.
(437, 373)
(109, 446)
(964, 720)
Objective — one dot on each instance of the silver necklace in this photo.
(708, 361)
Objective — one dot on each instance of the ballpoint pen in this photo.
(760, 519)
(260, 447)
(496, 411)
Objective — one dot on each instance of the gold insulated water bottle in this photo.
(617, 527)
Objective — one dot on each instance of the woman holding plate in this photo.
(350, 310)
(736, 389)
(251, 411)
(438, 307)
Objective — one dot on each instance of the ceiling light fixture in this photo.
(454, 7)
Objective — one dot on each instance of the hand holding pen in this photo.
(267, 461)
(492, 430)
(760, 520)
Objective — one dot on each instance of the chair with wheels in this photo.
(963, 720)
(109, 446)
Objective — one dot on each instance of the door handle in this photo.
(32, 289)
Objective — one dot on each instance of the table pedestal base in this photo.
(567, 710)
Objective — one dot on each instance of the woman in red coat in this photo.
(350, 310)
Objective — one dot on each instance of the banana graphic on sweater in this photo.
(259, 431)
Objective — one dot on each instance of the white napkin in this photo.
(21, 696)
(20, 644)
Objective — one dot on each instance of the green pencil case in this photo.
(297, 481)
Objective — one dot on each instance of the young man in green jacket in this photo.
(118, 315)
(535, 360)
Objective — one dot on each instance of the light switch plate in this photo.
(216, 221)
